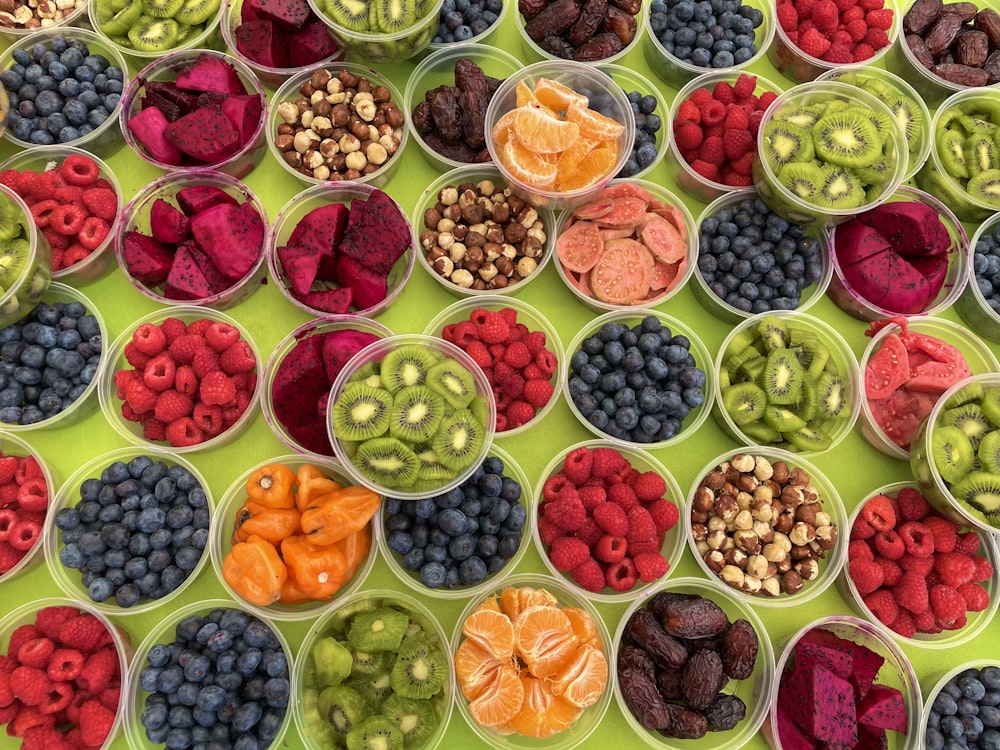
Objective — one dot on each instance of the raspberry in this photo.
(101, 202)
(149, 339)
(735, 179)
(153, 428)
(494, 329)
(723, 92)
(158, 373)
(664, 514)
(826, 15)
(612, 518)
(650, 566)
(649, 486)
(744, 87)
(592, 496)
(24, 534)
(911, 592)
(713, 112)
(517, 355)
(588, 575)
(183, 348)
(984, 570)
(861, 529)
(839, 52)
(610, 548)
(217, 388)
(566, 511)
(912, 505)
(171, 405)
(688, 112)
(84, 632)
(50, 619)
(77, 169)
(917, 539)
(879, 19)
(948, 604)
(140, 397)
(921, 565)
(205, 360)
(842, 38)
(111, 697)
(737, 119)
(501, 372)
(852, 14)
(548, 532)
(41, 212)
(967, 542)
(742, 166)
(858, 549)
(621, 575)
(30, 685)
(879, 513)
(208, 419)
(93, 232)
(737, 143)
(862, 52)
(926, 622)
(65, 665)
(877, 38)
(623, 496)
(28, 717)
(857, 29)
(945, 532)
(42, 738)
(713, 150)
(36, 652)
(98, 670)
(954, 568)
(640, 525)
(589, 532)
(706, 170)
(688, 135)
(577, 464)
(568, 552)
(95, 723)
(813, 43)
(701, 96)
(866, 574)
(788, 17)
(518, 413)
(607, 461)
(538, 392)
(67, 219)
(182, 432)
(890, 570)
(554, 485)
(883, 605)
(33, 495)
(220, 336)
(888, 544)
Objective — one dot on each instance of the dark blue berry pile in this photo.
(636, 383)
(966, 713)
(707, 33)
(754, 260)
(47, 361)
(136, 532)
(458, 538)
(463, 19)
(647, 125)
(986, 267)
(60, 92)
(222, 683)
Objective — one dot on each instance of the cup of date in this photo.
(583, 30)
(693, 662)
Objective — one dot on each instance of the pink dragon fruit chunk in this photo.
(883, 708)
(854, 242)
(914, 228)
(231, 237)
(217, 283)
(300, 265)
(340, 346)
(822, 704)
(147, 260)
(167, 91)
(261, 42)
(870, 738)
(866, 664)
(209, 73)
(167, 223)
(170, 110)
(248, 14)
(822, 647)
(310, 45)
(336, 301)
(149, 126)
(245, 113)
(195, 199)
(206, 135)
(889, 281)
(368, 286)
(790, 735)
(377, 234)
(289, 13)
(299, 384)
(186, 281)
(934, 269)
(322, 230)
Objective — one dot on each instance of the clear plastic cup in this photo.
(291, 91)
(315, 731)
(70, 580)
(632, 81)
(841, 354)
(977, 354)
(483, 407)
(678, 72)
(934, 177)
(314, 197)
(136, 218)
(929, 480)
(164, 632)
(105, 139)
(792, 62)
(269, 75)
(166, 69)
(85, 403)
(976, 622)
(671, 276)
(438, 69)
(687, 178)
(756, 691)
(535, 252)
(586, 722)
(582, 78)
(308, 438)
(484, 37)
(896, 672)
(25, 290)
(789, 205)
(12, 445)
(696, 415)
(26, 614)
(852, 302)
(411, 577)
(534, 50)
(933, 689)
(380, 47)
(748, 577)
(886, 84)
(673, 540)
(228, 518)
(76, 17)
(972, 305)
(111, 403)
(728, 313)
(465, 310)
(4, 110)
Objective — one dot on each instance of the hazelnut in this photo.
(742, 462)
(808, 570)
(770, 586)
(714, 560)
(801, 534)
(732, 576)
(791, 582)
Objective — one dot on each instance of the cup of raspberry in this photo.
(26, 483)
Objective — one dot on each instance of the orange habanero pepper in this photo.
(312, 483)
(355, 547)
(336, 514)
(254, 571)
(271, 486)
(317, 570)
(271, 524)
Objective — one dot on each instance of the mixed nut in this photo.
(760, 525)
(35, 14)
(481, 236)
(342, 128)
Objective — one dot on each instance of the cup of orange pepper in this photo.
(291, 535)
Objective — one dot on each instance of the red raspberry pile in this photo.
(716, 130)
(72, 205)
(60, 681)
(837, 31)
(516, 361)
(24, 498)
(189, 382)
(916, 570)
(603, 521)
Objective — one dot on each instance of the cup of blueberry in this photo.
(468, 21)
(979, 302)
(963, 704)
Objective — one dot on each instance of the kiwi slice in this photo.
(989, 452)
(420, 669)
(782, 419)
(13, 255)
(459, 439)
(452, 381)
(416, 413)
(807, 404)
(370, 662)
(416, 719)
(883, 124)
(785, 142)
(952, 453)
(980, 490)
(782, 377)
(803, 116)
(151, 34)
(742, 340)
(981, 154)
(361, 412)
(393, 15)
(406, 366)
(761, 433)
(373, 688)
(877, 174)
(343, 708)
(194, 12)
(353, 15)
(744, 402)
(387, 461)
(161, 8)
(969, 418)
(951, 151)
(803, 179)
(366, 372)
(841, 188)
(123, 19)
(848, 138)
(375, 733)
(907, 113)
(989, 402)
(734, 364)
(10, 219)
(969, 393)
(379, 630)
(833, 396)
(974, 124)
(985, 186)
(808, 438)
(753, 366)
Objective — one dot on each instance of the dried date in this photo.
(694, 618)
(620, 23)
(669, 683)
(740, 645)
(725, 712)
(643, 699)
(992, 67)
(703, 678)
(446, 113)
(964, 10)
(920, 16)
(632, 7)
(658, 603)
(645, 631)
(451, 119)
(963, 75)
(599, 47)
(943, 32)
(972, 48)
(920, 51)
(685, 724)
(955, 41)
(582, 30)
(635, 657)
(552, 20)
(591, 15)
(529, 8)
(558, 47)
(988, 21)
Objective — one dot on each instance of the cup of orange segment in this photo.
(302, 524)
(559, 131)
(562, 693)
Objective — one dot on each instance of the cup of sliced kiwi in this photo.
(25, 259)
(411, 416)
(955, 454)
(827, 150)
(384, 31)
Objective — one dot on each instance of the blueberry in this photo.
(257, 634)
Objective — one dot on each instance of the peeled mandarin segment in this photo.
(523, 94)
(545, 639)
(543, 133)
(583, 625)
(500, 700)
(474, 668)
(504, 126)
(593, 124)
(514, 600)
(570, 159)
(594, 167)
(492, 630)
(584, 678)
(528, 167)
(557, 95)
(542, 714)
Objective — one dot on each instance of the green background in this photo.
(854, 467)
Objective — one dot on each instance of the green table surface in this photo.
(854, 466)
